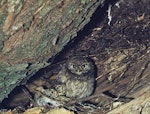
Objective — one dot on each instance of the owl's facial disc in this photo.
(79, 68)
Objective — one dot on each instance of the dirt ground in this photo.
(117, 39)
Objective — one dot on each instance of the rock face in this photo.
(31, 32)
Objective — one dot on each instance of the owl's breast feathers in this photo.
(79, 89)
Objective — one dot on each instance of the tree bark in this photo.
(33, 31)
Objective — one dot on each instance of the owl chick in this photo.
(78, 76)
(75, 80)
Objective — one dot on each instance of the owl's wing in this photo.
(63, 75)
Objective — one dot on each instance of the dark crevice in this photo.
(96, 18)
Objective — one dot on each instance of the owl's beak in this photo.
(78, 72)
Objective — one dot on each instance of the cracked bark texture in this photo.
(33, 31)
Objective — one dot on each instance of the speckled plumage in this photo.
(75, 80)
(78, 76)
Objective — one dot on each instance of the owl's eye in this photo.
(83, 65)
(73, 66)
